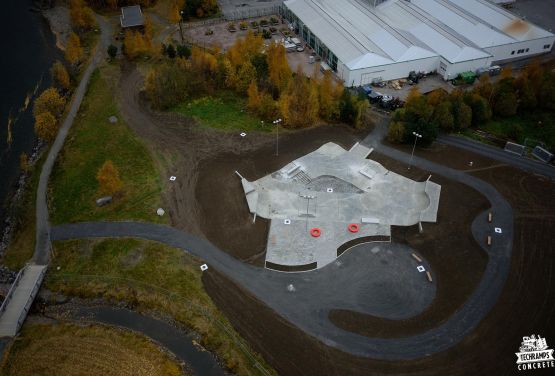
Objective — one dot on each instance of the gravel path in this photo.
(42, 247)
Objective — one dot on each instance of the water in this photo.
(201, 362)
(28, 51)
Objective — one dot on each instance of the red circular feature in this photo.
(315, 232)
(353, 227)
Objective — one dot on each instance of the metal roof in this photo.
(362, 35)
(131, 16)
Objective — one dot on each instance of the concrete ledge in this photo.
(291, 268)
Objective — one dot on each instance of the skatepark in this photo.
(332, 196)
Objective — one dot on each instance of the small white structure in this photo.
(160, 212)
(498, 230)
(420, 268)
(131, 16)
(204, 267)
(242, 134)
(172, 178)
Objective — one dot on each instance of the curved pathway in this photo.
(314, 296)
(42, 245)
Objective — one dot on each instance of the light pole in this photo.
(276, 123)
(180, 28)
(416, 137)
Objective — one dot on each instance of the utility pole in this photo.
(276, 123)
(416, 137)
(180, 27)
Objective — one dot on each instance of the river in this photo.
(28, 51)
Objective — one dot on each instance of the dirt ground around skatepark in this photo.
(204, 162)
(525, 306)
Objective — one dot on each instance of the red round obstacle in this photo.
(315, 232)
(353, 227)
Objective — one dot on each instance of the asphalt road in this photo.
(498, 154)
(42, 246)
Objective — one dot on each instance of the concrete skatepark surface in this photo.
(330, 189)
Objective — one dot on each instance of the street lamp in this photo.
(180, 28)
(416, 137)
(276, 123)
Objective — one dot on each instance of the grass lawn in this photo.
(226, 112)
(147, 275)
(538, 126)
(91, 141)
(66, 349)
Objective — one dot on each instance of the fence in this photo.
(230, 332)
(31, 299)
(235, 15)
(11, 291)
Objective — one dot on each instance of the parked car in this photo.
(367, 89)
(375, 97)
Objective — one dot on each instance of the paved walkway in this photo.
(42, 246)
(313, 296)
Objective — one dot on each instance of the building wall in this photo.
(452, 70)
(386, 72)
(535, 47)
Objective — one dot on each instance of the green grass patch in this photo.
(150, 276)
(91, 141)
(538, 126)
(226, 112)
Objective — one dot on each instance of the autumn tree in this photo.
(60, 75)
(46, 126)
(443, 116)
(82, 17)
(299, 103)
(546, 98)
(396, 132)
(109, 182)
(253, 97)
(74, 51)
(328, 95)
(278, 67)
(112, 51)
(506, 101)
(49, 101)
(175, 11)
(481, 111)
(24, 163)
(462, 114)
(245, 75)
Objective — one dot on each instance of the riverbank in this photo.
(58, 19)
(163, 330)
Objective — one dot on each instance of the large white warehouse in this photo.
(367, 40)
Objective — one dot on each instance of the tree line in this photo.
(533, 89)
(262, 75)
